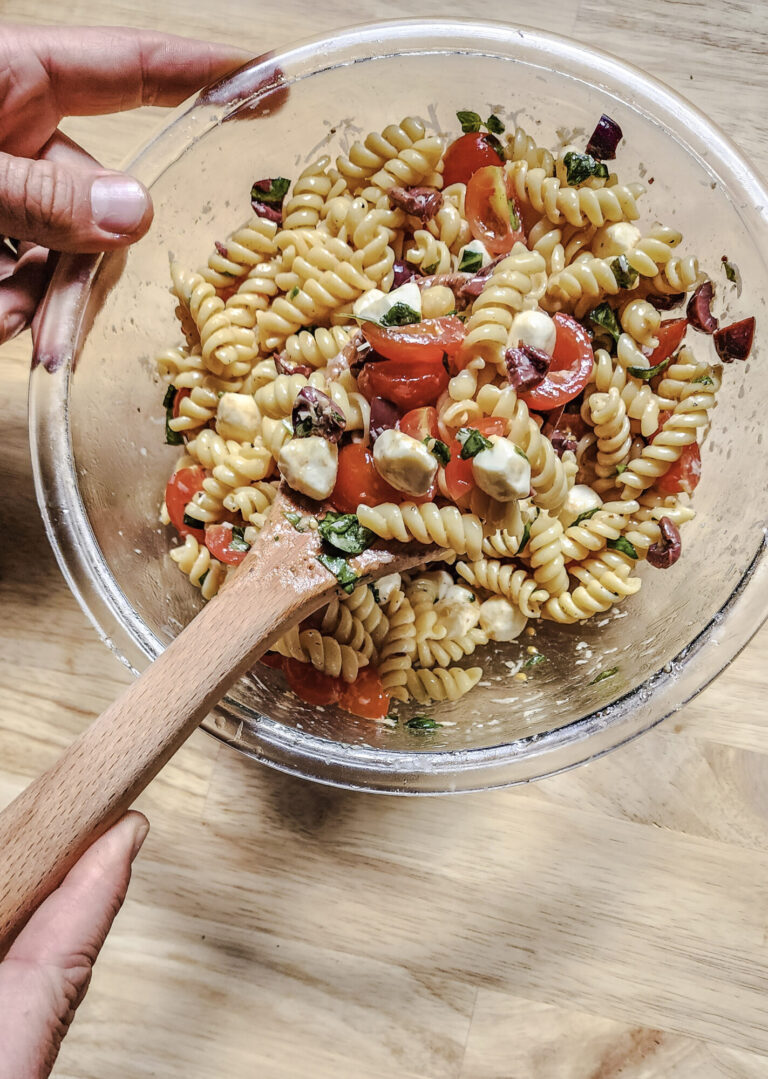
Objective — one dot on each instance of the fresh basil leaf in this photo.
(521, 453)
(172, 438)
(603, 675)
(471, 261)
(472, 442)
(626, 275)
(299, 522)
(534, 661)
(620, 469)
(170, 397)
(294, 292)
(470, 121)
(524, 539)
(494, 124)
(274, 194)
(705, 380)
(439, 449)
(647, 373)
(344, 532)
(400, 315)
(581, 167)
(604, 316)
(341, 570)
(730, 270)
(585, 516)
(192, 522)
(202, 578)
(429, 270)
(238, 541)
(622, 544)
(422, 723)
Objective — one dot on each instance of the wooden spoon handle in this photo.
(46, 829)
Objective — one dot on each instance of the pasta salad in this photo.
(470, 342)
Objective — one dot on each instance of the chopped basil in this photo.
(520, 452)
(730, 270)
(201, 582)
(581, 167)
(525, 537)
(471, 261)
(375, 593)
(604, 316)
(620, 469)
(585, 516)
(172, 438)
(341, 570)
(647, 373)
(534, 661)
(299, 522)
(494, 124)
(514, 219)
(422, 723)
(428, 271)
(401, 314)
(438, 448)
(472, 442)
(294, 292)
(622, 544)
(603, 675)
(238, 541)
(470, 121)
(274, 194)
(705, 380)
(344, 532)
(192, 522)
(626, 275)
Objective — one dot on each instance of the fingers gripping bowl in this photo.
(101, 473)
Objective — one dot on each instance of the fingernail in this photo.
(118, 203)
(142, 830)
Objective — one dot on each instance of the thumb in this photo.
(68, 208)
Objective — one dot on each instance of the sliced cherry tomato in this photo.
(419, 342)
(407, 385)
(685, 473)
(178, 398)
(663, 417)
(181, 487)
(310, 685)
(272, 659)
(490, 207)
(571, 368)
(459, 478)
(420, 423)
(466, 155)
(670, 335)
(218, 540)
(357, 481)
(366, 696)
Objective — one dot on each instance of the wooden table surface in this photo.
(609, 922)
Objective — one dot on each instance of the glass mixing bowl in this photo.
(98, 425)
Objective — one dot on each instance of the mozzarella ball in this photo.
(440, 579)
(375, 303)
(501, 620)
(404, 462)
(475, 247)
(534, 328)
(437, 301)
(612, 240)
(385, 586)
(238, 417)
(503, 471)
(458, 611)
(580, 499)
(309, 465)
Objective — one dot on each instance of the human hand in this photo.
(46, 972)
(53, 195)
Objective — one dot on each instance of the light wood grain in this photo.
(611, 923)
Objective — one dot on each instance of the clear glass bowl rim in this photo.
(91, 581)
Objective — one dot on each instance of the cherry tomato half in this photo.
(357, 481)
(218, 540)
(466, 155)
(366, 696)
(685, 473)
(407, 385)
(571, 369)
(310, 685)
(491, 207)
(459, 478)
(670, 335)
(419, 342)
(420, 423)
(180, 488)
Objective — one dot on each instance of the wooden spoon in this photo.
(46, 829)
